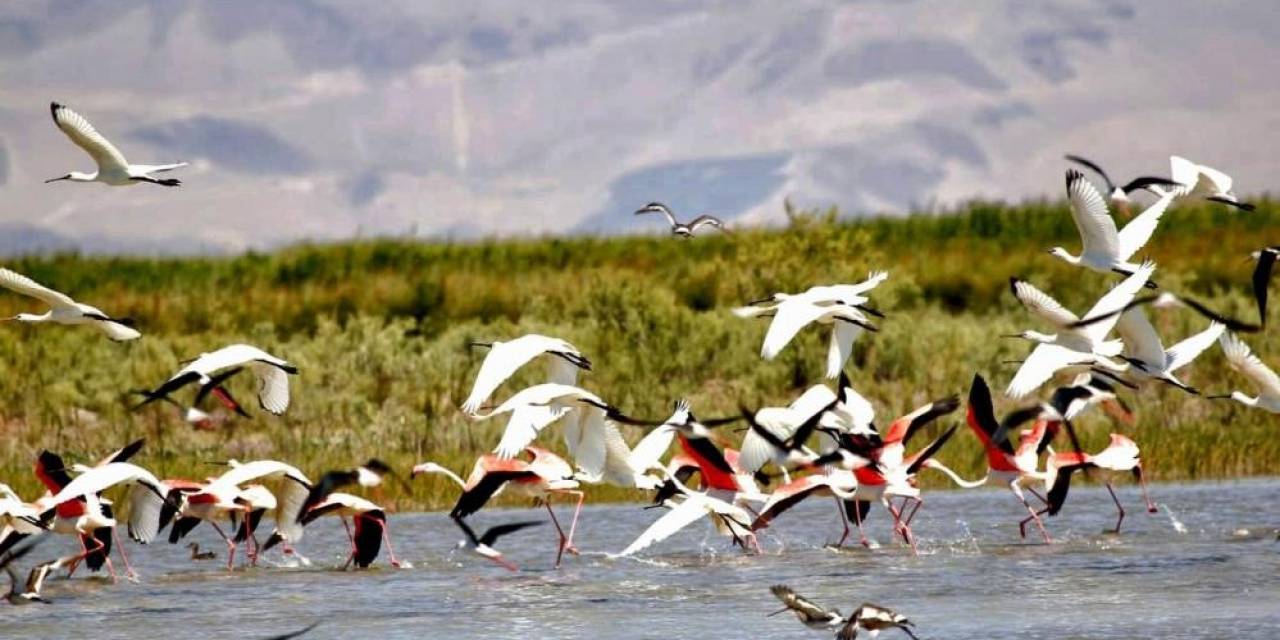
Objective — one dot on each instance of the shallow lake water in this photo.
(1206, 566)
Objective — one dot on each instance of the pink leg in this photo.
(251, 548)
(1142, 481)
(573, 526)
(901, 527)
(231, 546)
(1034, 516)
(857, 520)
(912, 516)
(1022, 526)
(563, 539)
(386, 537)
(128, 570)
(1118, 507)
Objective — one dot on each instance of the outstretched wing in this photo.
(1089, 210)
(19, 283)
(673, 521)
(1181, 354)
(1044, 361)
(1139, 230)
(1242, 359)
(86, 137)
(1111, 186)
(1041, 303)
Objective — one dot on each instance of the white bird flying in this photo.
(1263, 378)
(1199, 181)
(1104, 248)
(504, 358)
(794, 313)
(1150, 360)
(64, 310)
(272, 374)
(1071, 345)
(680, 229)
(113, 169)
(539, 406)
(729, 519)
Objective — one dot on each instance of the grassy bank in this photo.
(379, 331)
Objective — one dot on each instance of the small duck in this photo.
(197, 554)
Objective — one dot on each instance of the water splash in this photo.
(968, 537)
(1173, 519)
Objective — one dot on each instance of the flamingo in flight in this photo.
(271, 372)
(540, 476)
(688, 506)
(113, 168)
(563, 361)
(64, 310)
(1120, 456)
(366, 533)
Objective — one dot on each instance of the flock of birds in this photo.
(825, 442)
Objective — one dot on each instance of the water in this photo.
(1206, 565)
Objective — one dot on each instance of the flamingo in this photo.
(540, 476)
(113, 168)
(64, 310)
(1197, 180)
(680, 229)
(1242, 359)
(537, 407)
(1121, 455)
(368, 529)
(563, 361)
(1072, 346)
(146, 496)
(271, 372)
(1106, 249)
(1119, 194)
(242, 489)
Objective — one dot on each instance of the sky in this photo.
(306, 120)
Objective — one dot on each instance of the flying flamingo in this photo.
(729, 519)
(1121, 455)
(563, 361)
(540, 476)
(367, 532)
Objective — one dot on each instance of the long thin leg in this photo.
(901, 527)
(231, 546)
(128, 570)
(351, 540)
(912, 516)
(1037, 495)
(1119, 508)
(1013, 486)
(1022, 526)
(573, 526)
(559, 531)
(844, 520)
(857, 519)
(1142, 481)
(386, 537)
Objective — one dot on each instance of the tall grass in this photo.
(379, 328)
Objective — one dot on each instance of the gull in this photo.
(505, 358)
(1071, 346)
(482, 545)
(678, 229)
(1263, 378)
(1104, 248)
(64, 310)
(1119, 195)
(113, 169)
(1148, 357)
(1200, 181)
(272, 374)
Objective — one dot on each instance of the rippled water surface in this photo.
(1207, 565)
